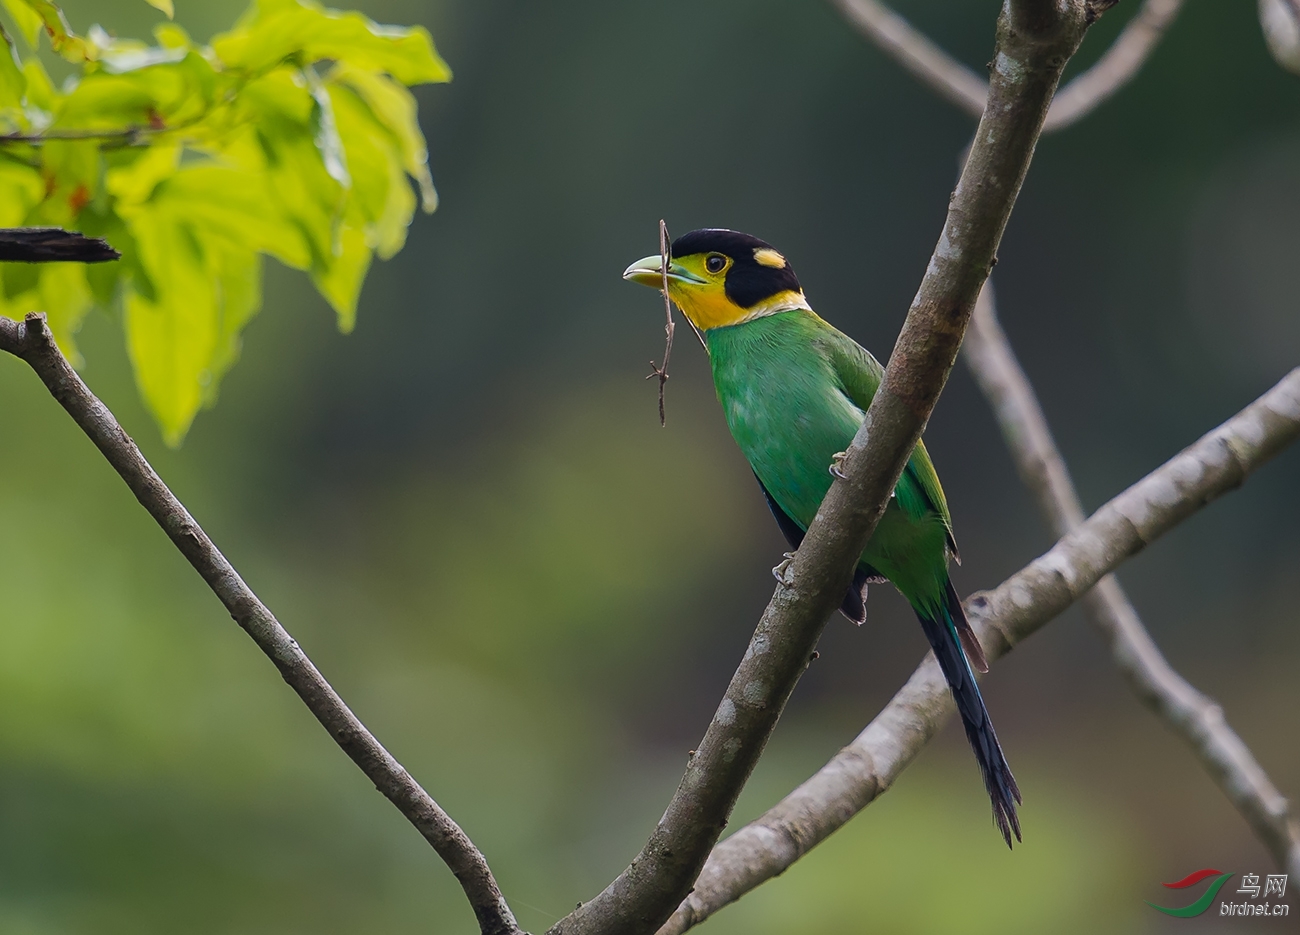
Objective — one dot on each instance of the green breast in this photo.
(788, 410)
(783, 404)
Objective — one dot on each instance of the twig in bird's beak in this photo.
(669, 325)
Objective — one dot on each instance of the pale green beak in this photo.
(649, 272)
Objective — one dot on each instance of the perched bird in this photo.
(794, 391)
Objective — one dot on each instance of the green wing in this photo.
(919, 491)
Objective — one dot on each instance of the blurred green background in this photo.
(468, 514)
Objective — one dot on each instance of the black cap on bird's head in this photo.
(723, 277)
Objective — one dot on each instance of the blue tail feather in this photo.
(942, 632)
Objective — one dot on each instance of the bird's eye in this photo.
(715, 262)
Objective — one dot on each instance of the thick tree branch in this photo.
(32, 341)
(1189, 713)
(1035, 39)
(959, 84)
(1003, 617)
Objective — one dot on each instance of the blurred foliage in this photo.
(292, 135)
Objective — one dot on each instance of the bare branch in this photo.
(1188, 712)
(32, 341)
(1198, 719)
(914, 50)
(1035, 39)
(1003, 617)
(52, 245)
(1121, 63)
(960, 84)
(1004, 384)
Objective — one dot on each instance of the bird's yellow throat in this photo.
(708, 306)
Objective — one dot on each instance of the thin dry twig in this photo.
(32, 341)
(1197, 718)
(1003, 617)
(1035, 40)
(960, 85)
(669, 325)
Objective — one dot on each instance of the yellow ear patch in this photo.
(766, 256)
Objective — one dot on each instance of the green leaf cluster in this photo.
(293, 135)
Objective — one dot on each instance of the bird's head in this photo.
(722, 277)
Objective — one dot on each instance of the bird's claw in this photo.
(779, 572)
(836, 460)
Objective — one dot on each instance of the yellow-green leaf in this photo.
(202, 160)
(72, 175)
(63, 40)
(153, 89)
(273, 32)
(40, 89)
(133, 182)
(164, 5)
(394, 107)
(381, 201)
(26, 19)
(21, 189)
(185, 337)
(65, 298)
(238, 274)
(339, 281)
(325, 131)
(297, 182)
(61, 291)
(172, 36)
(13, 83)
(198, 235)
(171, 338)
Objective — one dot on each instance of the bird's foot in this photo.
(836, 460)
(779, 572)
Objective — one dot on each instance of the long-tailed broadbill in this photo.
(794, 391)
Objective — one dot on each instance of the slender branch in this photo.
(1004, 384)
(52, 245)
(915, 51)
(1120, 65)
(960, 85)
(32, 341)
(1189, 713)
(120, 136)
(124, 137)
(1003, 617)
(1035, 39)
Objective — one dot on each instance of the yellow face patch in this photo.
(704, 303)
(769, 257)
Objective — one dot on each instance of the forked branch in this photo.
(1189, 713)
(1035, 39)
(959, 84)
(32, 341)
(1003, 617)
